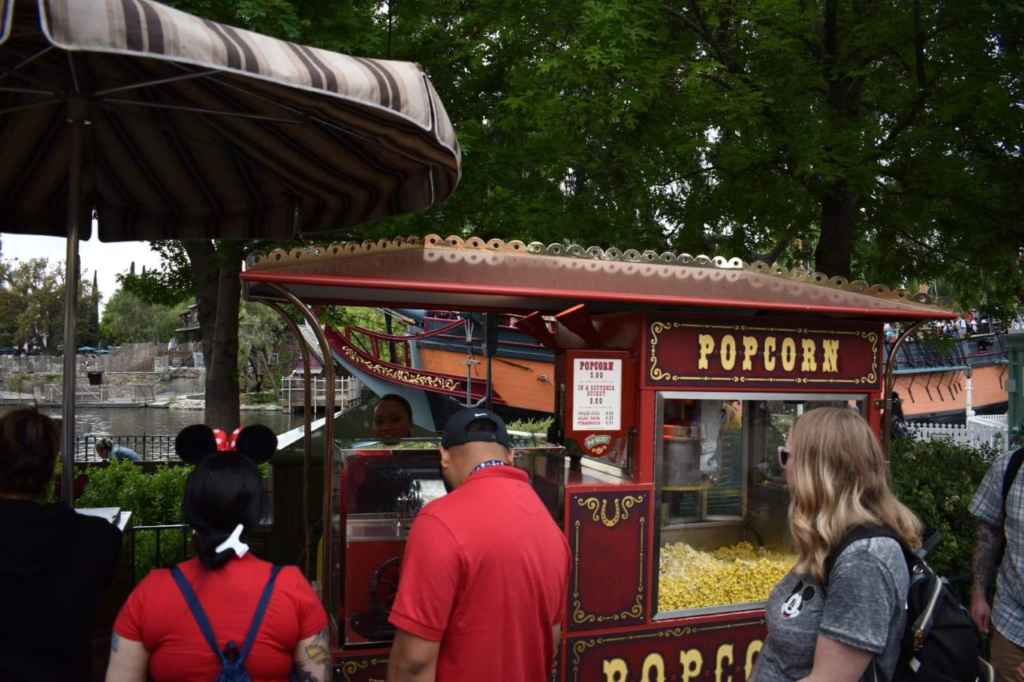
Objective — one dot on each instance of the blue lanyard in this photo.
(488, 463)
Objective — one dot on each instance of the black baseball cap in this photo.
(455, 431)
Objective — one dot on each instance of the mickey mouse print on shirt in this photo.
(801, 595)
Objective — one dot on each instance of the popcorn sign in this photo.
(597, 395)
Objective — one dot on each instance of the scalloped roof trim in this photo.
(340, 250)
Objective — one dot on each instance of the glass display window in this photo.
(722, 523)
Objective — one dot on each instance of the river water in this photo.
(95, 421)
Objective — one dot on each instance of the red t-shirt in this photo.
(485, 573)
(157, 615)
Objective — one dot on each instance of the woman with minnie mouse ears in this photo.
(224, 614)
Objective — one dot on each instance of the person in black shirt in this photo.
(54, 563)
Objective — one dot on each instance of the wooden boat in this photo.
(429, 366)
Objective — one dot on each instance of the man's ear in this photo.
(446, 457)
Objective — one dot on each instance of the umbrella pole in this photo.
(71, 309)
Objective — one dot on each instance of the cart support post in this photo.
(307, 420)
(327, 589)
(890, 382)
(76, 119)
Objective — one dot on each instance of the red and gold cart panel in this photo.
(610, 538)
(723, 651)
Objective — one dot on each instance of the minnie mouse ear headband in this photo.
(257, 443)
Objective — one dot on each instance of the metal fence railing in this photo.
(151, 448)
(150, 549)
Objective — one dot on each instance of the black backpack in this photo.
(940, 642)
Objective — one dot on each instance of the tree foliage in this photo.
(32, 306)
(128, 319)
(866, 139)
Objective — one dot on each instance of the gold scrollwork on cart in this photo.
(600, 508)
(579, 616)
(413, 378)
(658, 374)
(350, 667)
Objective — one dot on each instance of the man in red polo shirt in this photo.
(486, 569)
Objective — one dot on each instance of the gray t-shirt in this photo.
(865, 608)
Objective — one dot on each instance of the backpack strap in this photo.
(204, 622)
(198, 613)
(261, 610)
(861, 533)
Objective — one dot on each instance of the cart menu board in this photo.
(597, 394)
(713, 354)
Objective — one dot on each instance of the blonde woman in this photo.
(850, 630)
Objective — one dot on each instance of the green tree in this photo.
(32, 305)
(128, 319)
(870, 139)
(259, 329)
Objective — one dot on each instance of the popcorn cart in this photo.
(676, 380)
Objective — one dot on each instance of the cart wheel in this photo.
(384, 584)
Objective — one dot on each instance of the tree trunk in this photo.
(222, 373)
(203, 257)
(835, 242)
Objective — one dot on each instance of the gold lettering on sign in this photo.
(788, 354)
(831, 363)
(707, 344)
(615, 670)
(810, 363)
(656, 664)
(725, 653)
(728, 353)
(770, 344)
(692, 661)
(752, 651)
(749, 350)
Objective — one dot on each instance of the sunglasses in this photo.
(784, 454)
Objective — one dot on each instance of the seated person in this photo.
(105, 450)
(392, 418)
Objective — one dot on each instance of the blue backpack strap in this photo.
(261, 610)
(197, 612)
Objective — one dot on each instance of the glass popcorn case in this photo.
(722, 528)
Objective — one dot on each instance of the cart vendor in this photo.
(392, 418)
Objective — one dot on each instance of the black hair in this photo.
(481, 425)
(224, 490)
(29, 443)
(402, 402)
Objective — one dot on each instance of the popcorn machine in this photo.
(676, 380)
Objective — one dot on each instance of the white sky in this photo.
(108, 258)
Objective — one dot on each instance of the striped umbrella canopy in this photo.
(168, 126)
(194, 129)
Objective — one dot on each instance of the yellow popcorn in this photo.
(728, 575)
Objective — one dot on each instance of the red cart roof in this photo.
(515, 277)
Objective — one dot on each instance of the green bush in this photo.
(154, 499)
(938, 479)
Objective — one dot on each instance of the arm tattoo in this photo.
(115, 642)
(300, 674)
(988, 542)
(317, 649)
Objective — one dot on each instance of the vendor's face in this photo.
(390, 421)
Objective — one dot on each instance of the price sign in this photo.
(597, 395)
